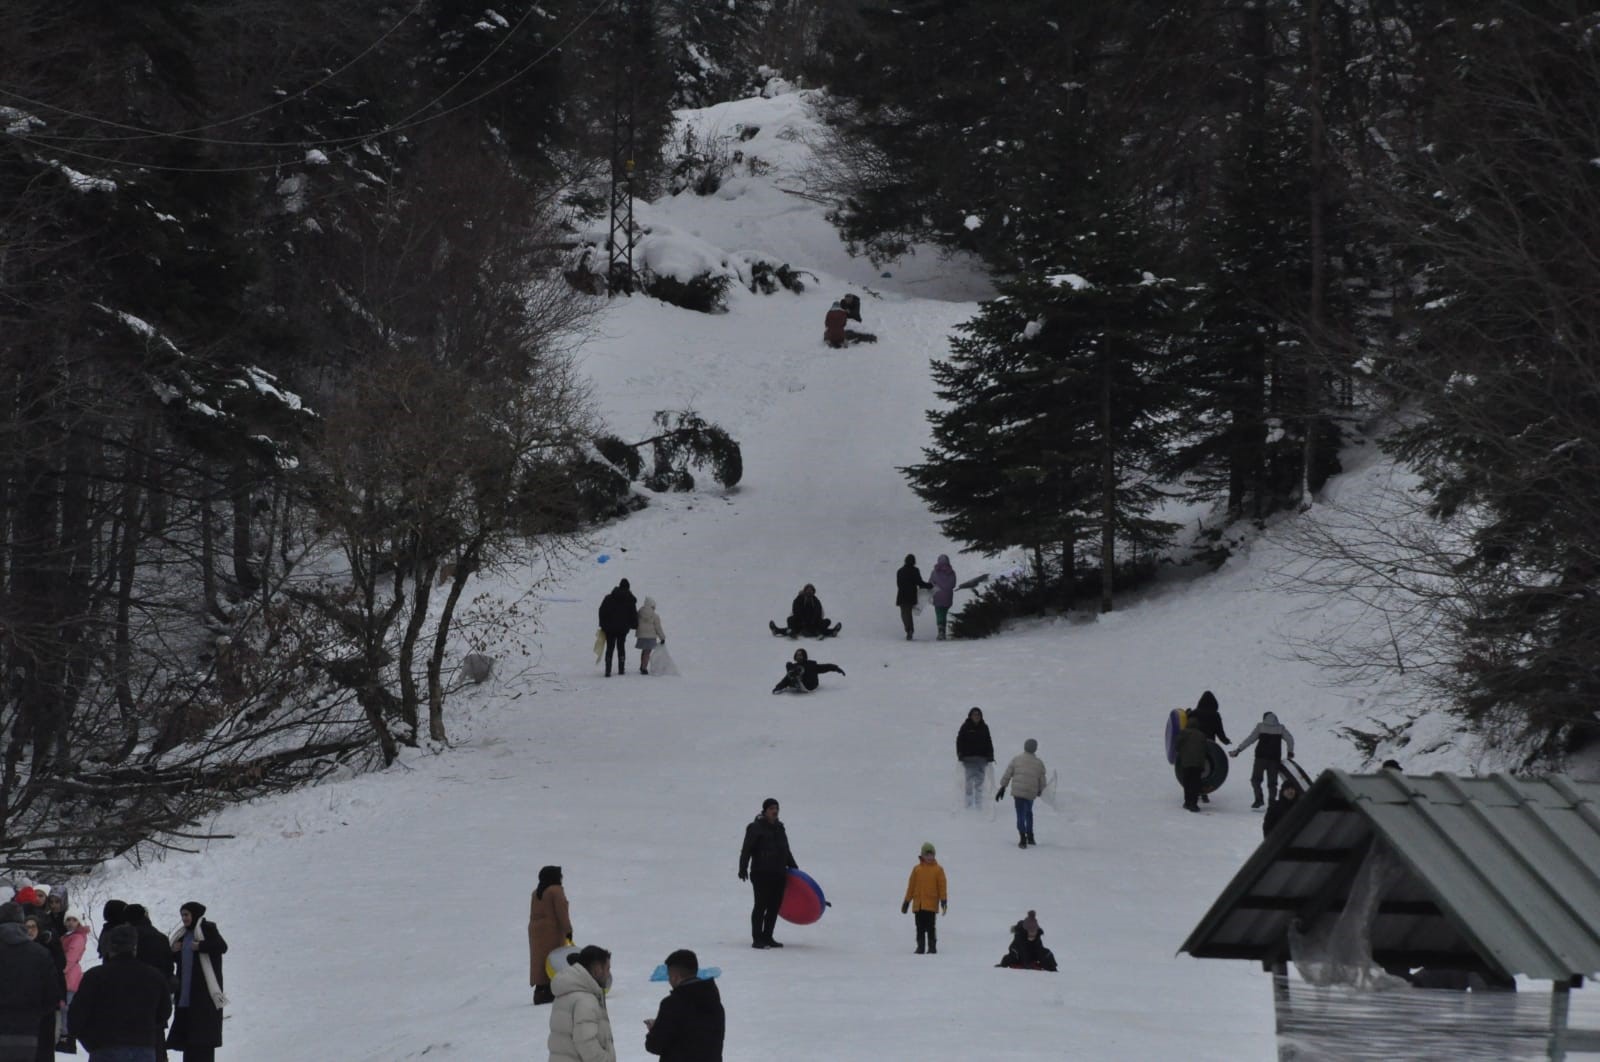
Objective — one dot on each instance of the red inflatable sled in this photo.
(803, 902)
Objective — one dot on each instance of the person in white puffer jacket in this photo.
(651, 634)
(580, 1030)
(1025, 775)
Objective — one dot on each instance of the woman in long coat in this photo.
(197, 1008)
(549, 927)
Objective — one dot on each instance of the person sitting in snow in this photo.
(806, 617)
(800, 674)
(1027, 951)
(834, 332)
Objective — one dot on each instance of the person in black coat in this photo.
(619, 614)
(1207, 718)
(1027, 951)
(38, 929)
(154, 949)
(122, 1002)
(111, 916)
(975, 750)
(807, 617)
(800, 674)
(690, 1024)
(765, 861)
(197, 1013)
(1288, 796)
(907, 581)
(31, 989)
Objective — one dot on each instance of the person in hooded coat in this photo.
(122, 1005)
(1193, 749)
(907, 581)
(1027, 951)
(800, 674)
(833, 325)
(197, 1012)
(807, 617)
(975, 750)
(651, 633)
(112, 914)
(943, 579)
(1207, 717)
(690, 1024)
(30, 989)
(619, 614)
(549, 927)
(580, 1028)
(1271, 739)
(1288, 796)
(154, 947)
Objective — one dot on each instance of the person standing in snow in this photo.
(1288, 795)
(1193, 749)
(549, 927)
(800, 674)
(651, 633)
(907, 581)
(975, 750)
(690, 1024)
(580, 1028)
(619, 614)
(1272, 740)
(38, 928)
(112, 914)
(30, 989)
(926, 892)
(121, 1007)
(1208, 717)
(765, 861)
(197, 950)
(1025, 774)
(154, 947)
(74, 942)
(943, 578)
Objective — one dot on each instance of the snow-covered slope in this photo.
(383, 917)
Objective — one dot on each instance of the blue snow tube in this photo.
(1216, 770)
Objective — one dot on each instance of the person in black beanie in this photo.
(690, 1024)
(111, 916)
(765, 861)
(122, 1005)
(154, 949)
(197, 949)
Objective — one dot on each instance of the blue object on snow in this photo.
(602, 558)
(707, 973)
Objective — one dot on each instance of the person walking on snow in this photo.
(619, 614)
(943, 578)
(651, 633)
(1272, 740)
(549, 927)
(1025, 775)
(580, 1028)
(1193, 750)
(800, 674)
(927, 895)
(765, 861)
(1208, 717)
(975, 750)
(907, 581)
(690, 1024)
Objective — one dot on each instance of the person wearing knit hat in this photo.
(112, 914)
(1027, 951)
(197, 948)
(1027, 778)
(74, 942)
(927, 892)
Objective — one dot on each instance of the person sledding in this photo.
(800, 674)
(841, 313)
(806, 618)
(1027, 951)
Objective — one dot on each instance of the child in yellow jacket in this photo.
(926, 890)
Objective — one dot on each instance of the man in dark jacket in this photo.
(154, 949)
(122, 1004)
(1271, 738)
(765, 861)
(690, 1024)
(30, 988)
(800, 674)
(619, 614)
(111, 916)
(1208, 717)
(907, 581)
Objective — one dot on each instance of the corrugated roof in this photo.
(1500, 874)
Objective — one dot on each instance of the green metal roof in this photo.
(1500, 874)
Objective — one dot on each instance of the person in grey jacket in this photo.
(1025, 775)
(1272, 740)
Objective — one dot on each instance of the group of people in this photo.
(689, 1025)
(1271, 782)
(941, 583)
(620, 612)
(117, 1010)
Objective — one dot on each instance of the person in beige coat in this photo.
(1025, 775)
(650, 632)
(580, 1028)
(549, 927)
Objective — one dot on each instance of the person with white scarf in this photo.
(197, 949)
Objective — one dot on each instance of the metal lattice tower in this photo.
(625, 17)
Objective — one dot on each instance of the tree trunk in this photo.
(208, 556)
(242, 497)
(467, 562)
(422, 591)
(1313, 382)
(1108, 483)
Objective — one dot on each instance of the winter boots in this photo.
(542, 994)
(1022, 839)
(927, 942)
(941, 633)
(1031, 841)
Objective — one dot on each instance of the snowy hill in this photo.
(382, 917)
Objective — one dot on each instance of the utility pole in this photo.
(625, 45)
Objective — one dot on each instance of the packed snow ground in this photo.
(382, 917)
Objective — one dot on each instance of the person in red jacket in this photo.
(833, 325)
